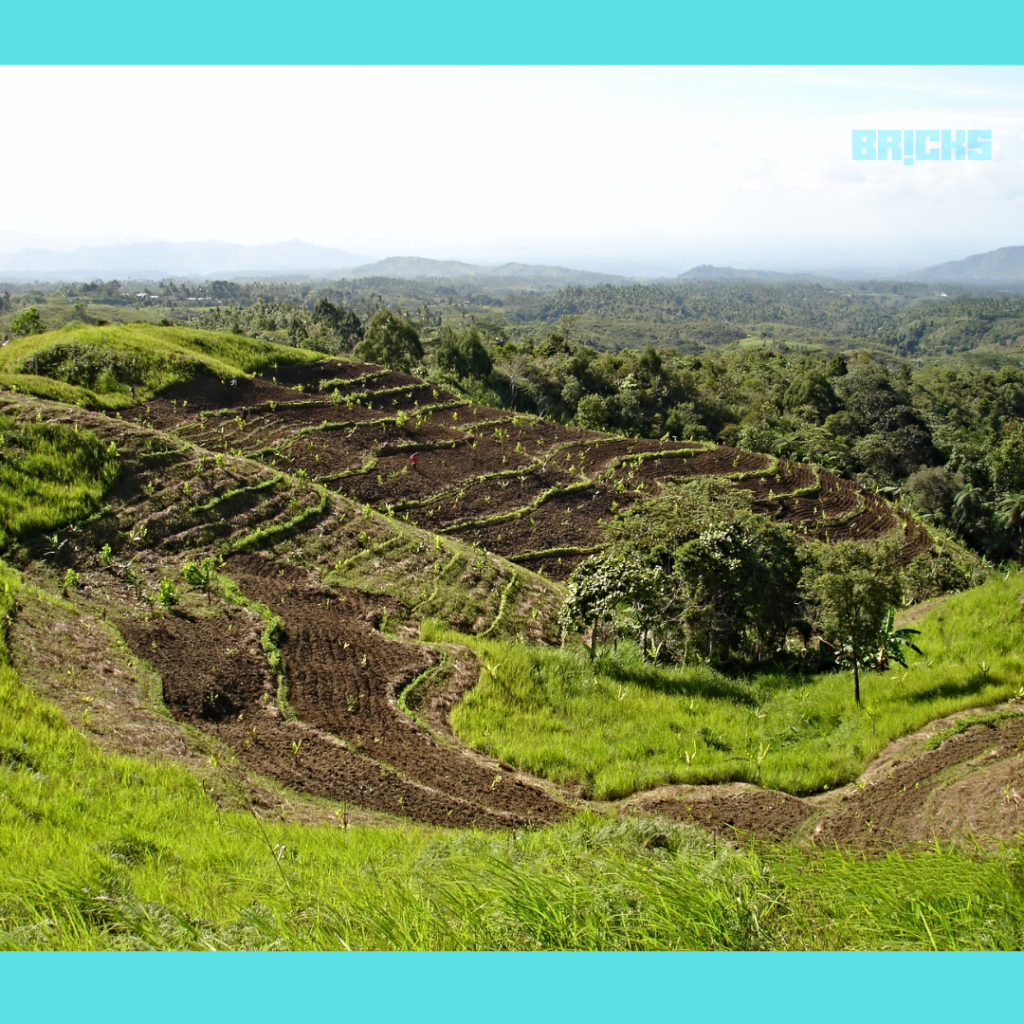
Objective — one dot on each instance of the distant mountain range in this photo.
(151, 261)
(706, 271)
(155, 260)
(416, 266)
(1001, 266)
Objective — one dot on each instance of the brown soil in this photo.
(722, 461)
(483, 499)
(565, 520)
(76, 659)
(971, 788)
(456, 443)
(557, 567)
(350, 743)
(730, 810)
(971, 785)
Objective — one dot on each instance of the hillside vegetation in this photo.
(266, 681)
(100, 366)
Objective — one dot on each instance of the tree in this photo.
(693, 577)
(463, 355)
(1010, 515)
(812, 391)
(852, 588)
(600, 586)
(390, 341)
(592, 413)
(28, 321)
(338, 321)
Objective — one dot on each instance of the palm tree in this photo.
(965, 503)
(1010, 513)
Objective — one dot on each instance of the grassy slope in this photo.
(619, 726)
(152, 358)
(100, 852)
(50, 475)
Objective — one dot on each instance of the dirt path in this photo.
(970, 785)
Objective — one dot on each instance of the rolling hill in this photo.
(1000, 266)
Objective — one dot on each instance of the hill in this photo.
(707, 272)
(414, 267)
(156, 260)
(249, 598)
(1001, 266)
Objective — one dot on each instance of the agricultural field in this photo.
(281, 669)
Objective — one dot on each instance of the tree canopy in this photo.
(852, 588)
(390, 341)
(693, 577)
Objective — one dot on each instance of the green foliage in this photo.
(463, 355)
(891, 643)
(28, 321)
(617, 724)
(600, 586)
(390, 341)
(853, 587)
(342, 323)
(200, 575)
(51, 475)
(168, 593)
(695, 578)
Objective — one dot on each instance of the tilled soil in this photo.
(567, 519)
(972, 784)
(351, 742)
(730, 810)
(386, 416)
(971, 787)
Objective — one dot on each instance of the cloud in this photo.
(462, 161)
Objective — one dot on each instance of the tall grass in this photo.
(107, 852)
(618, 725)
(50, 475)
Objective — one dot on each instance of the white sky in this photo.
(617, 167)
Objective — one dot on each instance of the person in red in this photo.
(412, 461)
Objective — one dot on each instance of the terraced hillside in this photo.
(528, 489)
(348, 503)
(326, 721)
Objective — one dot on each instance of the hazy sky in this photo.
(629, 167)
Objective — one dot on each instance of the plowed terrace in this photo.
(522, 487)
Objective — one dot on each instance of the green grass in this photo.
(108, 852)
(617, 725)
(51, 474)
(97, 366)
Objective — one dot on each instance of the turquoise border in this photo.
(525, 32)
(507, 988)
